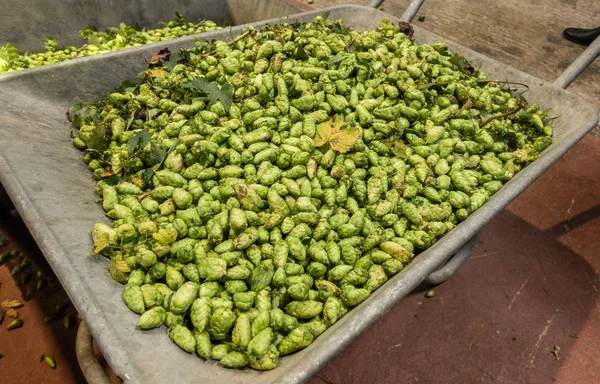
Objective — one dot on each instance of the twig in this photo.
(242, 36)
(466, 106)
(499, 116)
(502, 82)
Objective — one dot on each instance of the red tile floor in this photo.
(531, 285)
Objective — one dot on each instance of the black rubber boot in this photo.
(581, 36)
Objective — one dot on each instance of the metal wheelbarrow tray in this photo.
(54, 194)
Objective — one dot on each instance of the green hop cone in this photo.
(183, 338)
(200, 313)
(300, 337)
(259, 345)
(268, 361)
(242, 332)
(221, 322)
(184, 297)
(134, 298)
(304, 309)
(235, 359)
(352, 296)
(203, 345)
(152, 318)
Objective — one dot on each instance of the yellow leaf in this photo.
(165, 236)
(100, 243)
(340, 123)
(156, 72)
(340, 140)
(119, 268)
(323, 132)
(399, 149)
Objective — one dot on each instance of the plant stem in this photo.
(501, 115)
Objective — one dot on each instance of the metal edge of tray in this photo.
(383, 299)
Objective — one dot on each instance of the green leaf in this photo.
(157, 154)
(431, 85)
(77, 113)
(147, 175)
(92, 114)
(74, 110)
(301, 53)
(99, 140)
(173, 146)
(224, 94)
(173, 61)
(339, 27)
(129, 86)
(130, 120)
(77, 121)
(112, 180)
(396, 145)
(94, 39)
(138, 141)
(523, 117)
(182, 56)
(150, 113)
(299, 26)
(462, 65)
(337, 58)
(180, 18)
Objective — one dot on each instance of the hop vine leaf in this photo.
(224, 93)
(154, 73)
(462, 64)
(138, 141)
(340, 140)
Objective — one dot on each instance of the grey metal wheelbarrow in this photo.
(53, 192)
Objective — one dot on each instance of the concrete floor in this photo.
(532, 283)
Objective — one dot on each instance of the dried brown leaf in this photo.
(162, 55)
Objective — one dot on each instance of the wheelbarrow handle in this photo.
(459, 258)
(578, 65)
(563, 81)
(408, 14)
(88, 362)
